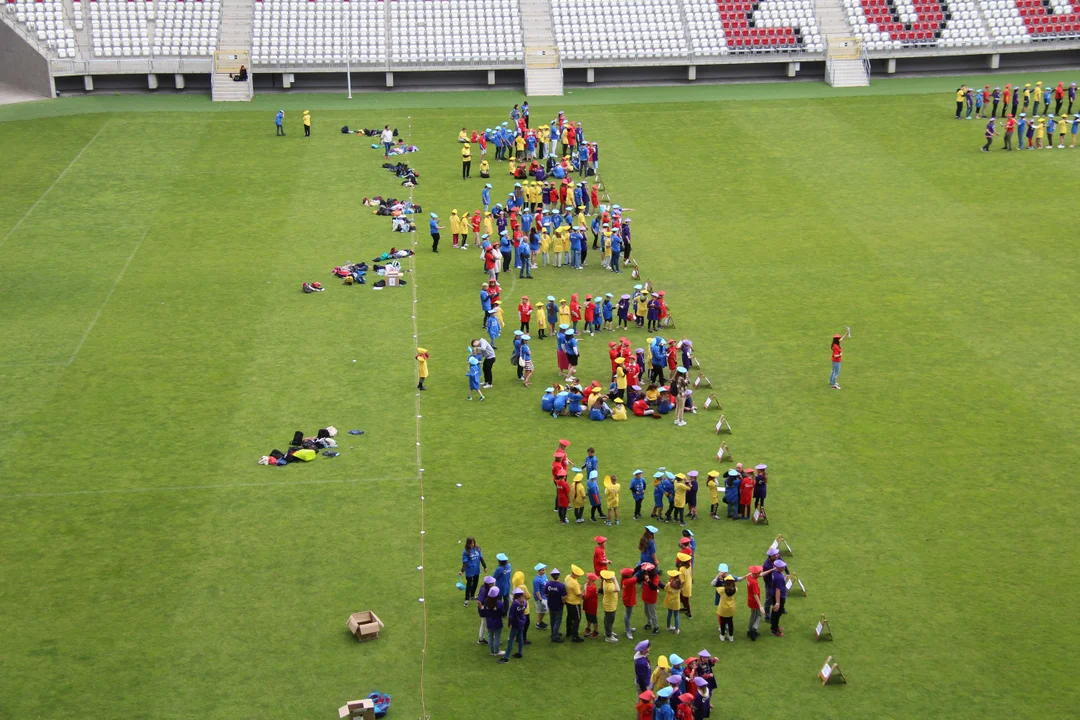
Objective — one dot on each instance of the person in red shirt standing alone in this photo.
(837, 357)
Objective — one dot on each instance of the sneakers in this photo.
(517, 655)
(608, 523)
(465, 604)
(580, 520)
(565, 522)
(629, 636)
(482, 641)
(611, 639)
(778, 633)
(835, 387)
(556, 639)
(541, 626)
(578, 640)
(503, 660)
(676, 631)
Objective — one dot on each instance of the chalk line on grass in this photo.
(54, 182)
(182, 488)
(108, 297)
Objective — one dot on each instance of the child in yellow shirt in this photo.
(611, 492)
(541, 321)
(714, 494)
(545, 247)
(421, 367)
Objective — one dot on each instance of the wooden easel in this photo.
(723, 452)
(792, 580)
(830, 673)
(759, 516)
(823, 631)
(713, 403)
(702, 378)
(776, 544)
(723, 423)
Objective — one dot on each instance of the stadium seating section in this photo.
(408, 32)
(186, 28)
(891, 25)
(456, 32)
(47, 22)
(652, 29)
(299, 32)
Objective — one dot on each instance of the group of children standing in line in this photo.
(503, 599)
(1019, 111)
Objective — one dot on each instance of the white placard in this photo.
(817, 630)
(826, 671)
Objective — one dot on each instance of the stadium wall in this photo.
(22, 66)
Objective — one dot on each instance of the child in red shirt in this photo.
(650, 586)
(590, 314)
(753, 601)
(475, 229)
(645, 705)
(629, 599)
(589, 604)
(746, 495)
(685, 711)
(525, 313)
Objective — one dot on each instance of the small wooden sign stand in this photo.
(723, 423)
(823, 631)
(776, 544)
(792, 580)
(723, 452)
(759, 516)
(830, 673)
(702, 378)
(712, 403)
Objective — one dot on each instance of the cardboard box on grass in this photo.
(364, 709)
(365, 625)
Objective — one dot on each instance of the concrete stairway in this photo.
(543, 71)
(234, 39)
(848, 73)
(844, 71)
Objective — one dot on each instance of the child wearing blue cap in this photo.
(593, 489)
(502, 576)
(663, 711)
(637, 490)
(474, 377)
(658, 495)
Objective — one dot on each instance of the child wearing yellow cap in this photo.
(672, 602)
(611, 492)
(574, 597)
(660, 672)
(686, 580)
(421, 367)
(611, 604)
(714, 493)
(541, 321)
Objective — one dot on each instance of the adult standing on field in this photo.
(472, 559)
(483, 349)
(837, 357)
(387, 139)
(466, 161)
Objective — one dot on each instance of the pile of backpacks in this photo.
(304, 449)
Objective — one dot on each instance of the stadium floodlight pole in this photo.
(348, 74)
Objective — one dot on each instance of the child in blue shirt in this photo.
(609, 312)
(731, 494)
(547, 402)
(575, 401)
(493, 328)
(637, 490)
(592, 463)
(658, 495)
(1021, 128)
(474, 377)
(561, 401)
(592, 488)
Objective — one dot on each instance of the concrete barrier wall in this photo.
(23, 66)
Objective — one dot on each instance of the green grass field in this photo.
(157, 343)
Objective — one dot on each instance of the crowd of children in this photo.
(1019, 110)
(742, 490)
(586, 604)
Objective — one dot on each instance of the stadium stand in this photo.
(633, 30)
(455, 32)
(889, 25)
(619, 29)
(48, 22)
(186, 28)
(118, 28)
(1015, 22)
(300, 33)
